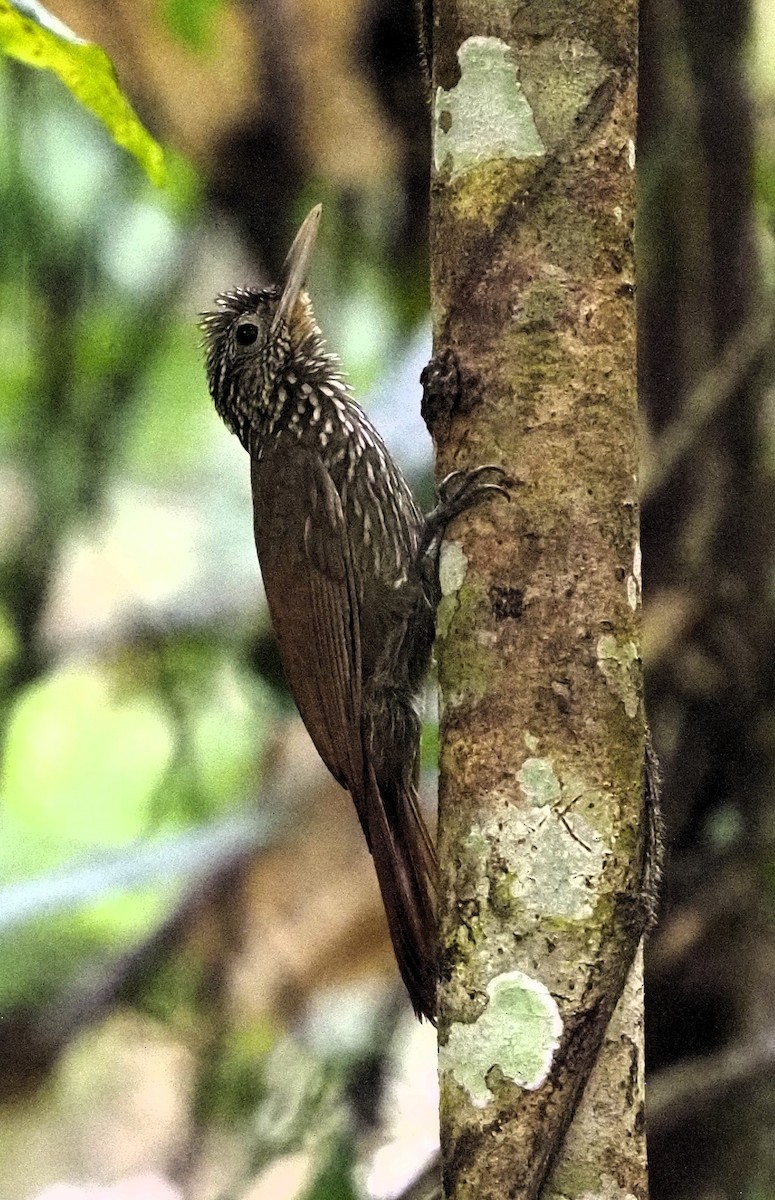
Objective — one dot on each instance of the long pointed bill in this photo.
(296, 265)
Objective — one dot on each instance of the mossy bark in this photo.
(541, 836)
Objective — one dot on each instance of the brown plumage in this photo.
(350, 571)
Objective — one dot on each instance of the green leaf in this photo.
(29, 33)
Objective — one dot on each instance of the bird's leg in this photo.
(457, 492)
(449, 389)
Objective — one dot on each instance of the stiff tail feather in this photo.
(406, 868)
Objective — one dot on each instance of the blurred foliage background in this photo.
(195, 977)
(197, 989)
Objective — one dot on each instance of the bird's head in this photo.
(251, 335)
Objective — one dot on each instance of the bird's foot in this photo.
(461, 489)
(458, 491)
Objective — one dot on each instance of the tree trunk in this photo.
(542, 834)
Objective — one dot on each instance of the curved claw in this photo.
(460, 489)
(457, 492)
(494, 487)
(467, 478)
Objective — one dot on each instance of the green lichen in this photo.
(466, 668)
(516, 1036)
(557, 855)
(472, 884)
(453, 567)
(541, 308)
(539, 782)
(552, 851)
(501, 894)
(476, 844)
(620, 663)
(486, 115)
(467, 665)
(573, 1180)
(486, 190)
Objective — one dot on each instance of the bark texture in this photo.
(542, 841)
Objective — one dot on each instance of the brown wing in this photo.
(313, 597)
(305, 562)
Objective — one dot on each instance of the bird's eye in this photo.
(246, 333)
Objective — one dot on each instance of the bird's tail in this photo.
(407, 873)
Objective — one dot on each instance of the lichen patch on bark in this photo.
(619, 661)
(453, 566)
(486, 115)
(538, 780)
(464, 676)
(515, 1038)
(559, 77)
(561, 864)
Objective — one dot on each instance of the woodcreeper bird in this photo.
(350, 568)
